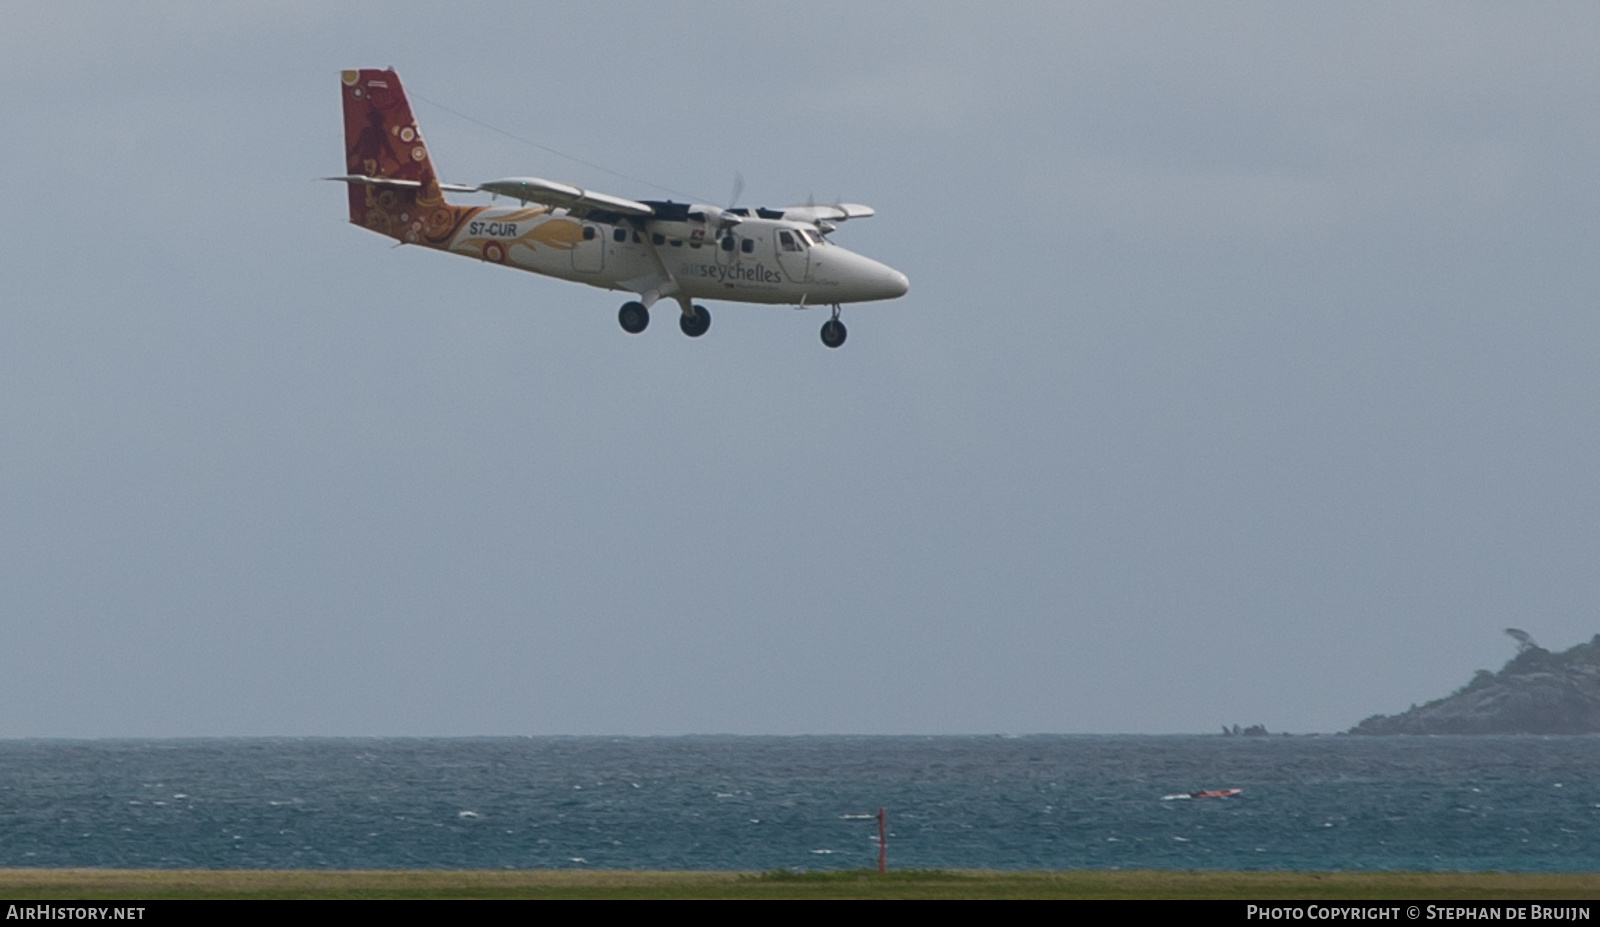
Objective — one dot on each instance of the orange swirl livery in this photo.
(652, 249)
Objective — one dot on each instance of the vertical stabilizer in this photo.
(381, 140)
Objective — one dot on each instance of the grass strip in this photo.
(90, 884)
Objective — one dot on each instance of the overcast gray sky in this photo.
(1248, 372)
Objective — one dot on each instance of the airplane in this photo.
(653, 249)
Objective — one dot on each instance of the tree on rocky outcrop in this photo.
(1523, 638)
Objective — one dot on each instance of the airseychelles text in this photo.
(1432, 912)
(725, 273)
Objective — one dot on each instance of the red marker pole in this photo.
(883, 842)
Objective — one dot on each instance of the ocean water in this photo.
(1051, 802)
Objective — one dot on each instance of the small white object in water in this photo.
(822, 852)
(466, 814)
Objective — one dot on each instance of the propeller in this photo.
(719, 221)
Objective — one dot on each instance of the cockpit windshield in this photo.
(799, 240)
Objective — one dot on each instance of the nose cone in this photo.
(880, 281)
(861, 279)
(884, 282)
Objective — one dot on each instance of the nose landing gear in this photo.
(634, 317)
(833, 330)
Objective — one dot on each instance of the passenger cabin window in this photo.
(727, 242)
(748, 245)
(588, 233)
(619, 235)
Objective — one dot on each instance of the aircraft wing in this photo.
(552, 193)
(834, 212)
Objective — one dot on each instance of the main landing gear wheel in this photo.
(695, 325)
(833, 333)
(634, 317)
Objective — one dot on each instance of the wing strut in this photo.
(653, 286)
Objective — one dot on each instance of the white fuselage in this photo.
(755, 261)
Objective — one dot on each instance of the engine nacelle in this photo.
(697, 224)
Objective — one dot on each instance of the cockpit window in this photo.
(787, 241)
(811, 236)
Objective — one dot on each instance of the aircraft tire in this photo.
(834, 333)
(634, 317)
(696, 325)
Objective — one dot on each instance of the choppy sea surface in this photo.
(1037, 802)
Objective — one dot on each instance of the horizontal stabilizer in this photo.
(551, 193)
(396, 182)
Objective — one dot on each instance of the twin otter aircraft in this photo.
(654, 249)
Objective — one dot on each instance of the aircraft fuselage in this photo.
(757, 261)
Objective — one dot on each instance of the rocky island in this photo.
(1536, 692)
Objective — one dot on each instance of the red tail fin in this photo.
(381, 139)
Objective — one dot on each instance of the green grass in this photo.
(91, 884)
